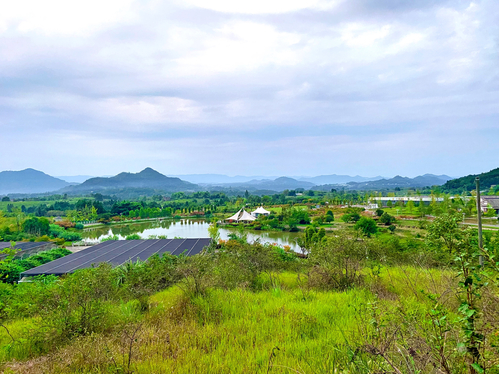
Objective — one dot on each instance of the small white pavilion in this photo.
(241, 216)
(260, 212)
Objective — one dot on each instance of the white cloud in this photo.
(62, 17)
(237, 46)
(150, 110)
(261, 6)
(358, 35)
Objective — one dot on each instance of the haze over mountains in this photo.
(147, 178)
(29, 181)
(220, 179)
(32, 181)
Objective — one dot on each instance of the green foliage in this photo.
(350, 217)
(387, 219)
(490, 212)
(468, 183)
(37, 226)
(311, 237)
(133, 237)
(112, 237)
(444, 232)
(300, 216)
(337, 262)
(57, 231)
(367, 226)
(11, 270)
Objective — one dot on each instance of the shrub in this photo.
(387, 219)
(350, 217)
(367, 226)
(71, 236)
(133, 237)
(337, 262)
(113, 237)
(11, 271)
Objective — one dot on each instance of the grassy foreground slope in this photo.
(288, 328)
(354, 306)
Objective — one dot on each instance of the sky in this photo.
(261, 87)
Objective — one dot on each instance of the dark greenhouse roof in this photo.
(118, 252)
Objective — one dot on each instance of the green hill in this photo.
(468, 183)
(28, 181)
(147, 178)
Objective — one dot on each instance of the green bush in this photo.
(387, 219)
(367, 226)
(71, 236)
(113, 237)
(11, 271)
(337, 262)
(133, 237)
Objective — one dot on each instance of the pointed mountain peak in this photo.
(149, 171)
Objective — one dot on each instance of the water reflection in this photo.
(184, 228)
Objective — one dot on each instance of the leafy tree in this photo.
(367, 226)
(311, 237)
(300, 216)
(387, 219)
(379, 212)
(444, 231)
(5, 198)
(350, 217)
(37, 226)
(329, 216)
(410, 206)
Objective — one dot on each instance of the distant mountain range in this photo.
(79, 178)
(29, 181)
(467, 183)
(149, 181)
(221, 179)
(336, 179)
(398, 181)
(147, 178)
(277, 185)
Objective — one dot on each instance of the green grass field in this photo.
(234, 331)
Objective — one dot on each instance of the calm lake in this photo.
(184, 228)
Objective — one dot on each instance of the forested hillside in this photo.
(467, 183)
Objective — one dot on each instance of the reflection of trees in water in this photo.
(136, 228)
(189, 225)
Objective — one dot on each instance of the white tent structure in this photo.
(260, 211)
(241, 216)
